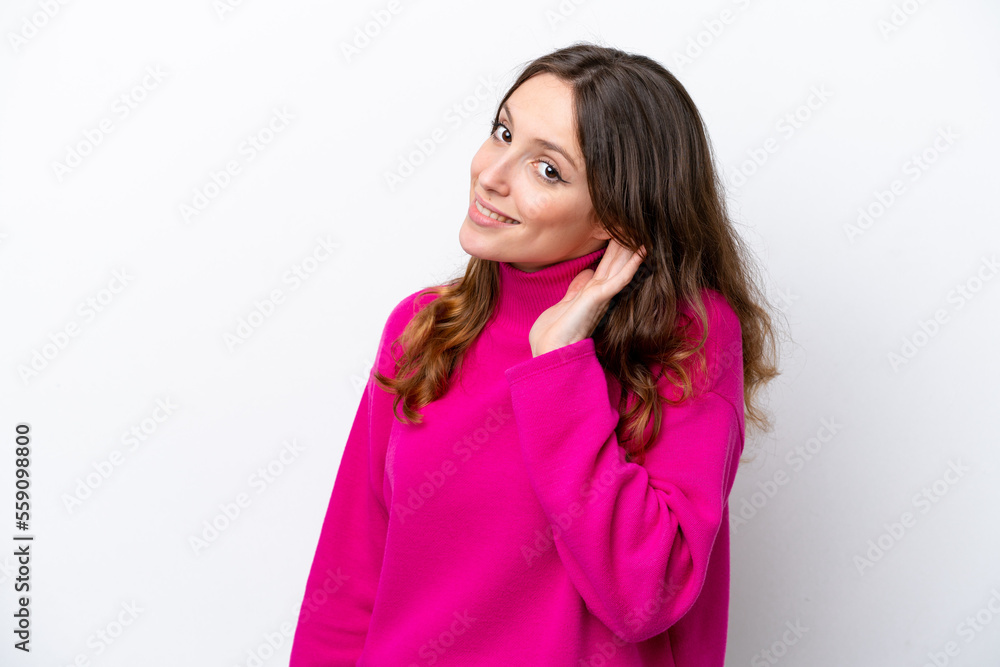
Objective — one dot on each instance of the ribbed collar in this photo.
(526, 295)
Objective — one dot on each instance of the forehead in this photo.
(542, 108)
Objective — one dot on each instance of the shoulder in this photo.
(724, 323)
(396, 322)
(409, 306)
(723, 348)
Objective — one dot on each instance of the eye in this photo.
(548, 172)
(496, 125)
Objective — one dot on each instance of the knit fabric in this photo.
(508, 528)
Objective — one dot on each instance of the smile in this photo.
(496, 216)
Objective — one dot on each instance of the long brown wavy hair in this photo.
(652, 181)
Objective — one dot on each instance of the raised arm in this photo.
(637, 537)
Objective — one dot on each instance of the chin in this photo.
(473, 241)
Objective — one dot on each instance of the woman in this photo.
(556, 489)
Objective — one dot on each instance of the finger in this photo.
(621, 272)
(610, 260)
(619, 263)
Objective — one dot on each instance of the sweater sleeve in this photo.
(635, 539)
(340, 589)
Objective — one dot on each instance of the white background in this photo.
(894, 76)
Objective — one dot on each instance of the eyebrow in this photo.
(547, 144)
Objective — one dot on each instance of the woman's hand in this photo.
(587, 299)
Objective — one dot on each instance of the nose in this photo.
(495, 175)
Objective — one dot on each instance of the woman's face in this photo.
(531, 170)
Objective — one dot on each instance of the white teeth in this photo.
(495, 216)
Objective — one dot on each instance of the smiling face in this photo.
(531, 170)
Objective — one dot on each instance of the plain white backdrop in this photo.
(208, 210)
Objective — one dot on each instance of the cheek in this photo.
(539, 204)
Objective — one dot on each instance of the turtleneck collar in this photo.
(523, 295)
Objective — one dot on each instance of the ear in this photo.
(599, 231)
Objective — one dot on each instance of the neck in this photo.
(523, 295)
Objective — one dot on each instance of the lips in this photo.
(493, 213)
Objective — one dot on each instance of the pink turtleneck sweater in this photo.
(508, 529)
